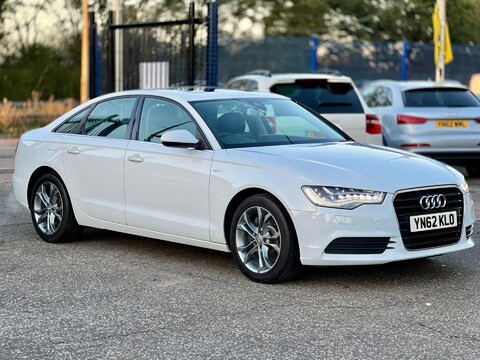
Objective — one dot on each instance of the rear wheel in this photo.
(263, 240)
(51, 211)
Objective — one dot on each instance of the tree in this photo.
(35, 57)
(41, 68)
(463, 21)
(3, 8)
(372, 20)
(290, 17)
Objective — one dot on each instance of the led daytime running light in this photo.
(465, 187)
(338, 197)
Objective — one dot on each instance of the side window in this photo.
(159, 116)
(244, 84)
(368, 96)
(251, 85)
(236, 85)
(110, 118)
(71, 125)
(383, 96)
(378, 96)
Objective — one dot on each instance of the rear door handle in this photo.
(73, 150)
(135, 158)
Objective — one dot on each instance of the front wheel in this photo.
(51, 211)
(263, 240)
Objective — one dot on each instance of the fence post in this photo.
(406, 50)
(98, 65)
(313, 54)
(92, 29)
(191, 45)
(111, 53)
(212, 44)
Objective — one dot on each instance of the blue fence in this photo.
(363, 61)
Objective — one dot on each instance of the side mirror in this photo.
(180, 139)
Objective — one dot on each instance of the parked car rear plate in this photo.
(451, 123)
(433, 221)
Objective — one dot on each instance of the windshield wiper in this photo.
(158, 133)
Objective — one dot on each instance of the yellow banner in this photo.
(436, 38)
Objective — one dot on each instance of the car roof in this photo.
(289, 77)
(419, 84)
(296, 76)
(191, 95)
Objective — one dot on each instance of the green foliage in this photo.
(3, 7)
(372, 20)
(464, 21)
(397, 20)
(292, 19)
(42, 68)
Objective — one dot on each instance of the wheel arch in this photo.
(237, 200)
(36, 175)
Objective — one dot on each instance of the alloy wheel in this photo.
(258, 239)
(48, 208)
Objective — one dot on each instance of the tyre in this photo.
(263, 240)
(473, 171)
(51, 211)
(384, 141)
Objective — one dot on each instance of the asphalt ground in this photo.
(115, 296)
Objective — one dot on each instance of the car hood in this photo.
(351, 164)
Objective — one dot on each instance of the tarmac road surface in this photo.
(114, 296)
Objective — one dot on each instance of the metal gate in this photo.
(160, 54)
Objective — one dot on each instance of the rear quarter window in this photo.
(322, 96)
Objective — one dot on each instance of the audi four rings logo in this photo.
(433, 201)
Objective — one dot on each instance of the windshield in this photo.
(263, 122)
(440, 97)
(322, 96)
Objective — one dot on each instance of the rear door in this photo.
(94, 159)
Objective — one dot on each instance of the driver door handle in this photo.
(73, 150)
(135, 158)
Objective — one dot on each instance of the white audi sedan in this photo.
(251, 173)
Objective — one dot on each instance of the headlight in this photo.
(465, 187)
(344, 198)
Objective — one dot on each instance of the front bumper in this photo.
(315, 231)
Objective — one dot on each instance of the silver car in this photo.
(439, 120)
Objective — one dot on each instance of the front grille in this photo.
(408, 204)
(358, 245)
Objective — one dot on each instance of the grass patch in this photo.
(16, 118)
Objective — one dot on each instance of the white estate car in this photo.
(332, 95)
(212, 169)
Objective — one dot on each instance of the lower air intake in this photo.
(358, 246)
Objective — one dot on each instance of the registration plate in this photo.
(451, 124)
(433, 221)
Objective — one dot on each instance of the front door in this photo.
(166, 188)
